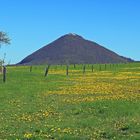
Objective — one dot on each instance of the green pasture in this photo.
(60, 107)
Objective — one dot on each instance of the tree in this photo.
(4, 39)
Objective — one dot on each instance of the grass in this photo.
(101, 105)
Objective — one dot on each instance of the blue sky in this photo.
(31, 24)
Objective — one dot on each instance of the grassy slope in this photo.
(99, 105)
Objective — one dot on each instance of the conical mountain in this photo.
(73, 49)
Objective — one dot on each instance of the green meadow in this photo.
(98, 104)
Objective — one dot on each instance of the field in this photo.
(99, 105)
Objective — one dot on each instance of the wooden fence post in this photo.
(0, 69)
(92, 68)
(100, 68)
(84, 69)
(30, 68)
(105, 66)
(67, 70)
(4, 74)
(46, 71)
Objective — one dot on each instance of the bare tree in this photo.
(4, 39)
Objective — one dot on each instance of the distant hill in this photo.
(73, 49)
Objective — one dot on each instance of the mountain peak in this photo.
(73, 49)
(72, 35)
